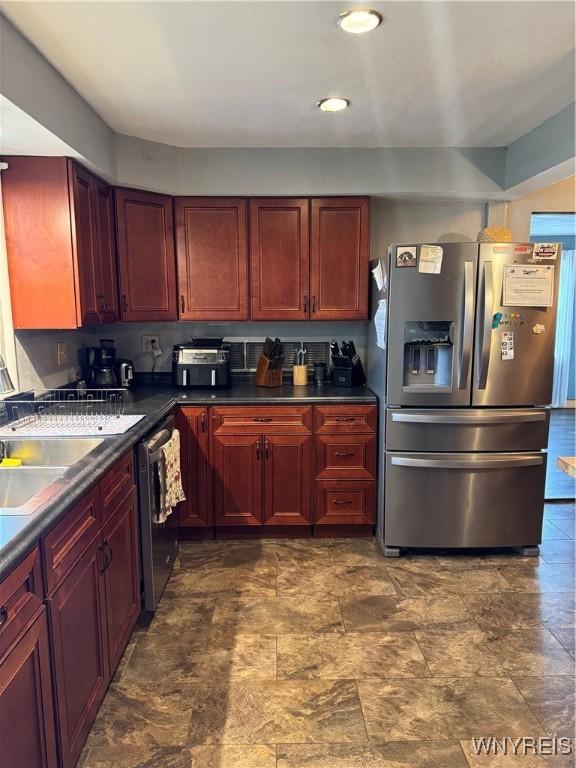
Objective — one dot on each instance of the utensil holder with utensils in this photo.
(299, 375)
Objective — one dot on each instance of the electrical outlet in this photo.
(149, 343)
(63, 352)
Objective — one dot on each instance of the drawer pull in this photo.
(345, 418)
(342, 501)
(263, 418)
(258, 450)
(3, 614)
(344, 454)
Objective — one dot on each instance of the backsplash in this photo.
(128, 336)
(37, 357)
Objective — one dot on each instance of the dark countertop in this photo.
(20, 533)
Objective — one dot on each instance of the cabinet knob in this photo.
(305, 303)
(3, 614)
(344, 418)
(342, 501)
(258, 449)
(344, 454)
(262, 418)
(124, 303)
(182, 303)
(203, 422)
(267, 448)
(313, 303)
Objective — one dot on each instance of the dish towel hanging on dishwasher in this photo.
(171, 490)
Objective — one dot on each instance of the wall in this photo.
(418, 172)
(556, 198)
(35, 87)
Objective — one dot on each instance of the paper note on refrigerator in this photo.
(430, 259)
(380, 324)
(379, 277)
(528, 285)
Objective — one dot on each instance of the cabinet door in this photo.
(287, 479)
(339, 257)
(84, 244)
(146, 256)
(106, 251)
(279, 259)
(237, 464)
(193, 426)
(27, 727)
(121, 577)
(78, 624)
(212, 255)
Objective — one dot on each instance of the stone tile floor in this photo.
(322, 654)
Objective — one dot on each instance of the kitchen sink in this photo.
(49, 451)
(20, 484)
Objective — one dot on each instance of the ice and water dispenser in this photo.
(428, 353)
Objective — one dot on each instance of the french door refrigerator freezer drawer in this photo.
(464, 499)
(470, 429)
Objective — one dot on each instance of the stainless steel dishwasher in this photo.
(158, 540)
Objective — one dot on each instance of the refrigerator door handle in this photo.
(468, 328)
(464, 418)
(486, 327)
(504, 462)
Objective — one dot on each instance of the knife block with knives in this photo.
(348, 370)
(269, 369)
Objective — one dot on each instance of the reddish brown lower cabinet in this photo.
(27, 728)
(80, 649)
(237, 468)
(287, 479)
(346, 457)
(195, 512)
(345, 502)
(121, 577)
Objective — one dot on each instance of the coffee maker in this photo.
(98, 365)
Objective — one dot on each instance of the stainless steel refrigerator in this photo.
(463, 362)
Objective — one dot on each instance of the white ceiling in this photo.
(247, 74)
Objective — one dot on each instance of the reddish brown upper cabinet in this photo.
(105, 245)
(279, 258)
(339, 258)
(145, 236)
(192, 422)
(60, 243)
(212, 256)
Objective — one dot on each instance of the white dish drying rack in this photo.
(66, 413)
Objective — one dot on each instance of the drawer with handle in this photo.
(348, 502)
(20, 599)
(346, 457)
(65, 543)
(349, 419)
(281, 419)
(117, 484)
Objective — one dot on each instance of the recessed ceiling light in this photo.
(359, 21)
(333, 104)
